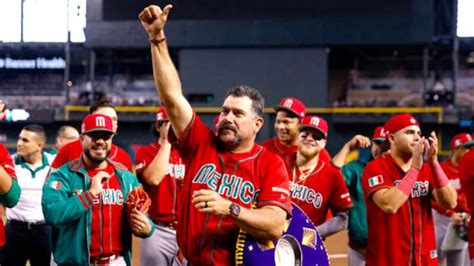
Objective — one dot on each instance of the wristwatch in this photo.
(234, 210)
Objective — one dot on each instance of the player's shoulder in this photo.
(468, 157)
(71, 145)
(118, 166)
(119, 149)
(268, 142)
(147, 148)
(329, 167)
(66, 152)
(379, 161)
(3, 150)
(267, 154)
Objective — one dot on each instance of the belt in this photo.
(103, 260)
(27, 225)
(171, 225)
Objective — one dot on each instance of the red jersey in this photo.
(274, 145)
(257, 177)
(406, 237)
(452, 172)
(73, 150)
(7, 163)
(466, 174)
(107, 223)
(164, 197)
(318, 191)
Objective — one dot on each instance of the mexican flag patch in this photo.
(373, 181)
(56, 184)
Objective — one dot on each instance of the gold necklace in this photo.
(302, 175)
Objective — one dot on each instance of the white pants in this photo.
(160, 248)
(446, 255)
(118, 261)
(355, 258)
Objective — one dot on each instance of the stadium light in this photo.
(465, 18)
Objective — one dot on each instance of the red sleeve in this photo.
(440, 209)
(124, 158)
(324, 155)
(6, 161)
(466, 174)
(340, 198)
(59, 160)
(142, 160)
(374, 178)
(275, 189)
(195, 134)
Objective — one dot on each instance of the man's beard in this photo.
(309, 153)
(96, 160)
(228, 144)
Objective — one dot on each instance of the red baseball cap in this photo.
(397, 122)
(292, 105)
(315, 122)
(161, 115)
(461, 139)
(379, 134)
(97, 122)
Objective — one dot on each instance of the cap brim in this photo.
(378, 140)
(385, 145)
(319, 130)
(98, 130)
(279, 108)
(468, 144)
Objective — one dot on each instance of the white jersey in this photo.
(31, 178)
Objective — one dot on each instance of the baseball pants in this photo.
(355, 258)
(160, 248)
(448, 256)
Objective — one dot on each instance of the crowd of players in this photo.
(208, 183)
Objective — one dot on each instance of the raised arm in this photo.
(168, 84)
(154, 173)
(444, 193)
(358, 141)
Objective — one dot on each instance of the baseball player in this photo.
(289, 113)
(316, 185)
(398, 188)
(9, 189)
(27, 233)
(448, 221)
(84, 203)
(73, 150)
(160, 168)
(64, 135)
(226, 174)
(466, 175)
(352, 173)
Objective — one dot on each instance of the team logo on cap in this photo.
(412, 120)
(315, 121)
(288, 103)
(100, 121)
(159, 116)
(457, 142)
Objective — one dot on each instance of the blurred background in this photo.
(353, 62)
